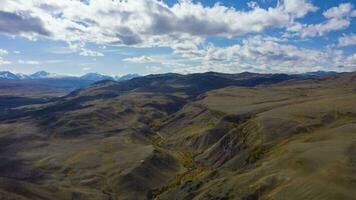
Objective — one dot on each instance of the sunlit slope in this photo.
(292, 141)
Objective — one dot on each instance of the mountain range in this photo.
(6, 75)
(46, 84)
(49, 84)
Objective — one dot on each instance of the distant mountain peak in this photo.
(126, 77)
(96, 77)
(8, 75)
(43, 74)
(93, 76)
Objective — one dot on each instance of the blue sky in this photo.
(151, 36)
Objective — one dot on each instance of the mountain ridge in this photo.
(7, 75)
(98, 76)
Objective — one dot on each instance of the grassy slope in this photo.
(293, 141)
(290, 141)
(99, 149)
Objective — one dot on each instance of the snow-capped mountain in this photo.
(8, 75)
(40, 74)
(22, 76)
(44, 74)
(96, 77)
(126, 77)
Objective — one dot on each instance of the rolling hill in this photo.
(199, 136)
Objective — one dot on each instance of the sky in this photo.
(117, 37)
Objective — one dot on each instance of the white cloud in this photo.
(87, 52)
(3, 52)
(188, 49)
(351, 59)
(347, 40)
(14, 23)
(268, 54)
(343, 10)
(143, 22)
(184, 28)
(80, 47)
(2, 60)
(28, 62)
(299, 8)
(313, 30)
(338, 18)
(141, 59)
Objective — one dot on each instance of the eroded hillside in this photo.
(207, 136)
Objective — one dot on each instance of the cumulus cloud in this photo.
(17, 24)
(28, 62)
(3, 52)
(87, 52)
(184, 27)
(2, 60)
(268, 54)
(188, 50)
(351, 59)
(80, 47)
(299, 8)
(337, 18)
(343, 10)
(141, 59)
(347, 40)
(142, 22)
(312, 30)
